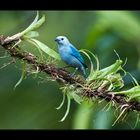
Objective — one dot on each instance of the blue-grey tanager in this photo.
(70, 55)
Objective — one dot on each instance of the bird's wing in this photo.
(77, 55)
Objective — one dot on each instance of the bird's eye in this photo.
(62, 38)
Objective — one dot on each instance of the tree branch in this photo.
(61, 75)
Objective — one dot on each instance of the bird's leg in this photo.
(65, 67)
(74, 72)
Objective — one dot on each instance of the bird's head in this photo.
(62, 40)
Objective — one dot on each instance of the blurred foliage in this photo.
(33, 103)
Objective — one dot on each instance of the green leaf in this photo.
(44, 48)
(111, 69)
(116, 80)
(91, 64)
(76, 97)
(93, 73)
(34, 25)
(36, 19)
(22, 75)
(31, 34)
(68, 109)
(63, 100)
(132, 93)
(134, 79)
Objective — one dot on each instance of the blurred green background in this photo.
(32, 105)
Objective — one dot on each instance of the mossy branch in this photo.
(58, 74)
(100, 83)
(63, 76)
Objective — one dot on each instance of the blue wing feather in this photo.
(76, 54)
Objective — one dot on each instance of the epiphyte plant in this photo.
(105, 84)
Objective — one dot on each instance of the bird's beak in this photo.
(56, 40)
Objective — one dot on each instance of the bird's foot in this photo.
(72, 74)
(63, 68)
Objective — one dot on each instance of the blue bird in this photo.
(70, 55)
